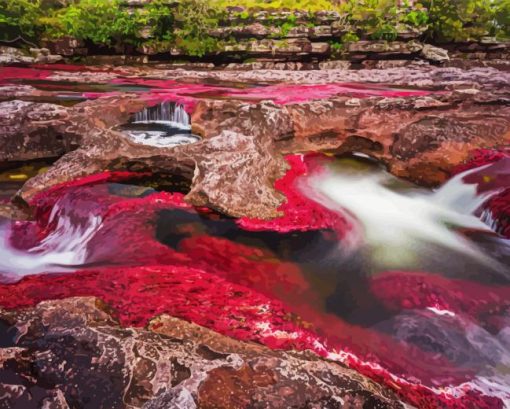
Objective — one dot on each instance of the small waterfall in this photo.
(168, 113)
(64, 249)
(398, 226)
(165, 125)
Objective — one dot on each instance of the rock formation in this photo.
(419, 135)
(73, 352)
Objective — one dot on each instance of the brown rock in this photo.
(384, 47)
(335, 65)
(298, 32)
(213, 166)
(66, 46)
(436, 54)
(33, 131)
(419, 138)
(83, 356)
(320, 48)
(11, 55)
(234, 167)
(321, 32)
(256, 30)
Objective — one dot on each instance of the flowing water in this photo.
(359, 288)
(164, 125)
(398, 226)
(409, 286)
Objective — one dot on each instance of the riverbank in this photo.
(159, 245)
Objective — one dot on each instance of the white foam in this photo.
(396, 224)
(161, 139)
(164, 113)
(64, 249)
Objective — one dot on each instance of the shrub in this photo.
(187, 23)
(350, 38)
(195, 19)
(462, 20)
(160, 17)
(100, 21)
(307, 5)
(377, 18)
(502, 18)
(20, 18)
(417, 17)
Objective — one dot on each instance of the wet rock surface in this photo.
(420, 135)
(222, 159)
(33, 130)
(73, 352)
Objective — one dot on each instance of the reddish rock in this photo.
(73, 351)
(419, 138)
(33, 131)
(420, 135)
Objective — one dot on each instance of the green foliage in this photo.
(195, 19)
(288, 25)
(336, 46)
(245, 15)
(502, 18)
(20, 17)
(186, 24)
(307, 5)
(418, 17)
(386, 32)
(100, 21)
(462, 20)
(350, 38)
(377, 18)
(337, 49)
(159, 17)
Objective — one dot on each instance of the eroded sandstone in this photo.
(418, 134)
(73, 351)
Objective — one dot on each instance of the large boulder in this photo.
(420, 136)
(33, 130)
(73, 351)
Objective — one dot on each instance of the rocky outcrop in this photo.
(32, 130)
(419, 136)
(362, 50)
(11, 55)
(73, 351)
(245, 163)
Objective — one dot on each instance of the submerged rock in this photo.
(74, 350)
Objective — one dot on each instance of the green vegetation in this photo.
(460, 20)
(195, 19)
(102, 22)
(20, 17)
(306, 5)
(186, 24)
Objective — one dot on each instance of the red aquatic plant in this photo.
(247, 291)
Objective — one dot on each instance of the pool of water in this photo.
(438, 319)
(408, 286)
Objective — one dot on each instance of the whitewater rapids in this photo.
(398, 225)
